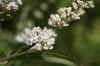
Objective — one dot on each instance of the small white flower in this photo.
(9, 5)
(25, 37)
(19, 2)
(61, 10)
(75, 5)
(50, 41)
(19, 39)
(71, 13)
(75, 16)
(69, 10)
(80, 11)
(42, 38)
(13, 4)
(91, 4)
(85, 4)
(55, 20)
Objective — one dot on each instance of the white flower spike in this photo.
(71, 13)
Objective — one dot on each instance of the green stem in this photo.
(16, 54)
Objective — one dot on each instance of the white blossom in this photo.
(85, 4)
(12, 4)
(75, 5)
(44, 39)
(7, 5)
(55, 20)
(67, 14)
(19, 2)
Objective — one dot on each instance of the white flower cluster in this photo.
(44, 39)
(67, 14)
(56, 21)
(7, 5)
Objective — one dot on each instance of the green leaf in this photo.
(55, 59)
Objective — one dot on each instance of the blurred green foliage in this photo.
(80, 42)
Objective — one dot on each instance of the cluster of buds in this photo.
(9, 5)
(71, 13)
(44, 39)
